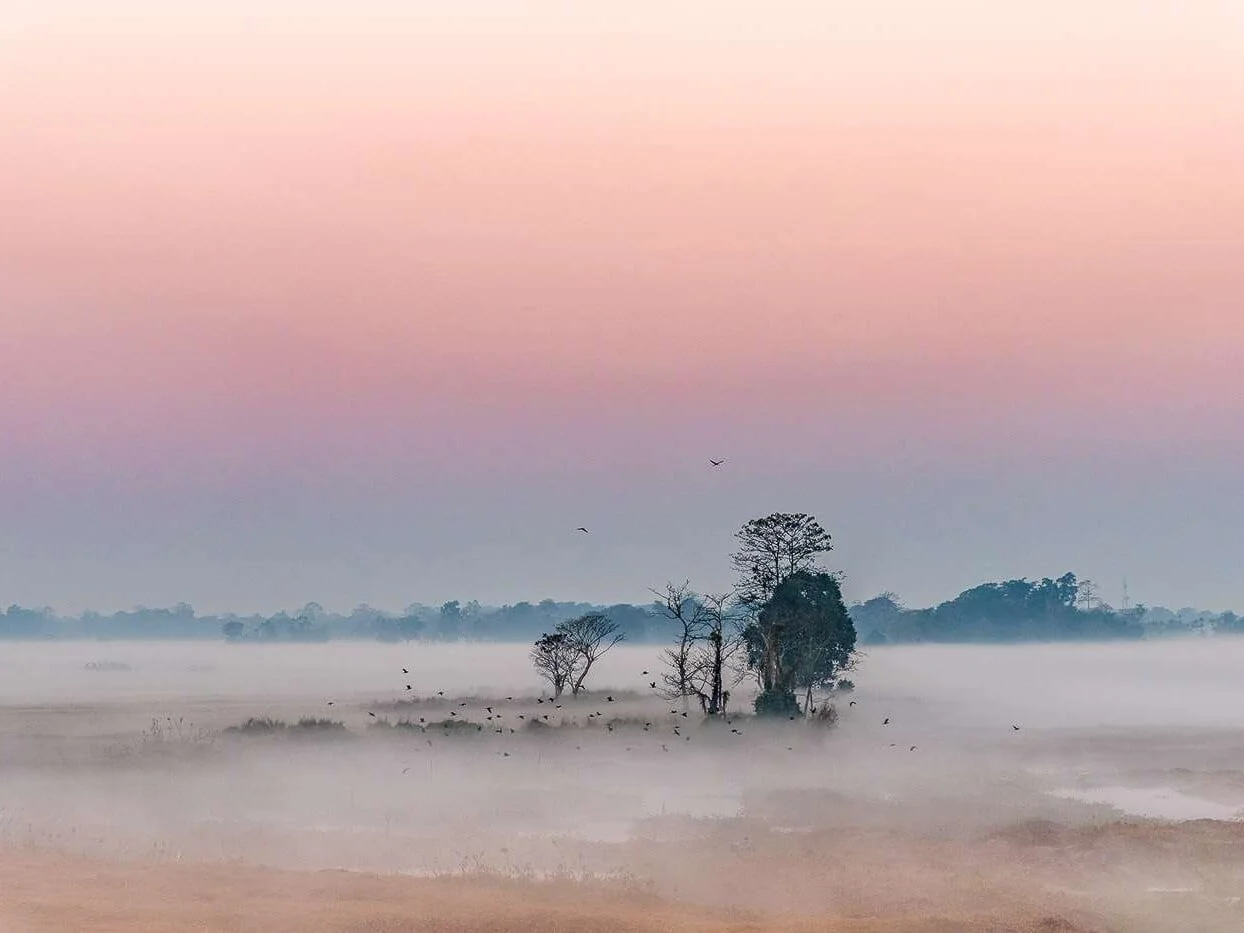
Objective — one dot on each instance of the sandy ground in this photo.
(45, 894)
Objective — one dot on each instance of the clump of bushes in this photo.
(266, 725)
(408, 725)
(262, 725)
(313, 724)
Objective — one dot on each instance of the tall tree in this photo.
(774, 547)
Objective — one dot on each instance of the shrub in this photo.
(777, 703)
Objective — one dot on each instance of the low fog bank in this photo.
(1003, 774)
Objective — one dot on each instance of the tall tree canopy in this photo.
(774, 547)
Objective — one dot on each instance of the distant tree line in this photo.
(1061, 609)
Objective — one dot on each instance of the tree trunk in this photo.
(578, 684)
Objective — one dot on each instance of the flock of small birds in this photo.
(493, 718)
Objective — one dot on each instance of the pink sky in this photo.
(257, 269)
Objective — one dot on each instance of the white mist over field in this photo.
(124, 749)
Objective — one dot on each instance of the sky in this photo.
(378, 302)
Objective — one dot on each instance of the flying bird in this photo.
(716, 463)
(1015, 727)
(912, 749)
(404, 671)
(582, 529)
(852, 703)
(887, 721)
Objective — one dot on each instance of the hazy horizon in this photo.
(312, 302)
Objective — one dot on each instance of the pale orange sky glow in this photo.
(320, 243)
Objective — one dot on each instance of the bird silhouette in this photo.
(887, 721)
(653, 685)
(645, 673)
(852, 703)
(582, 529)
(372, 715)
(608, 699)
(404, 671)
(1015, 728)
(408, 687)
(716, 463)
(912, 749)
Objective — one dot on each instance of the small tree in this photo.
(554, 657)
(588, 637)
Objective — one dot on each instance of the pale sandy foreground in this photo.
(55, 893)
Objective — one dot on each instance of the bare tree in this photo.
(589, 637)
(555, 657)
(685, 609)
(722, 642)
(701, 663)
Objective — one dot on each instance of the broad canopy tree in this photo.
(801, 640)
